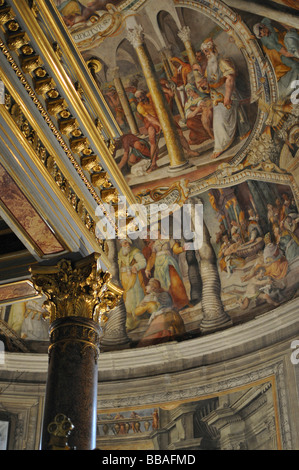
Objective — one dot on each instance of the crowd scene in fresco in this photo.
(206, 93)
(264, 253)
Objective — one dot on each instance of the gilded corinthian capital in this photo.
(77, 289)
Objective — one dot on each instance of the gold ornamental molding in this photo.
(33, 29)
(57, 107)
(77, 289)
(48, 120)
(36, 145)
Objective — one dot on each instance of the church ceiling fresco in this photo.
(205, 100)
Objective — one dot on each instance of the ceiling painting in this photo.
(204, 99)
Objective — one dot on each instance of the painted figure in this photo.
(165, 323)
(167, 271)
(199, 115)
(282, 50)
(131, 261)
(135, 150)
(220, 76)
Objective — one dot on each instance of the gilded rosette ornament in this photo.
(77, 289)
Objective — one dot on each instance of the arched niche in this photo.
(169, 30)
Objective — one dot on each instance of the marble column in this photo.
(78, 297)
(214, 316)
(125, 102)
(185, 35)
(175, 150)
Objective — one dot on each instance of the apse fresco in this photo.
(257, 245)
(210, 75)
(254, 229)
(208, 129)
(225, 133)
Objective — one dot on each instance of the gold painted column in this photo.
(125, 102)
(78, 297)
(172, 139)
(185, 35)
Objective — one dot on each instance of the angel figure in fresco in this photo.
(282, 48)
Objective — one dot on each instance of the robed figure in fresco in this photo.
(167, 271)
(282, 48)
(220, 76)
(165, 322)
(131, 263)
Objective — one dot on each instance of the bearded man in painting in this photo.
(220, 76)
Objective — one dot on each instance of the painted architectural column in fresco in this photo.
(185, 36)
(214, 316)
(125, 102)
(78, 295)
(114, 331)
(167, 123)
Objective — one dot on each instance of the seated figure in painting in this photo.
(259, 286)
(287, 240)
(135, 150)
(228, 256)
(165, 323)
(274, 260)
(199, 116)
(280, 47)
